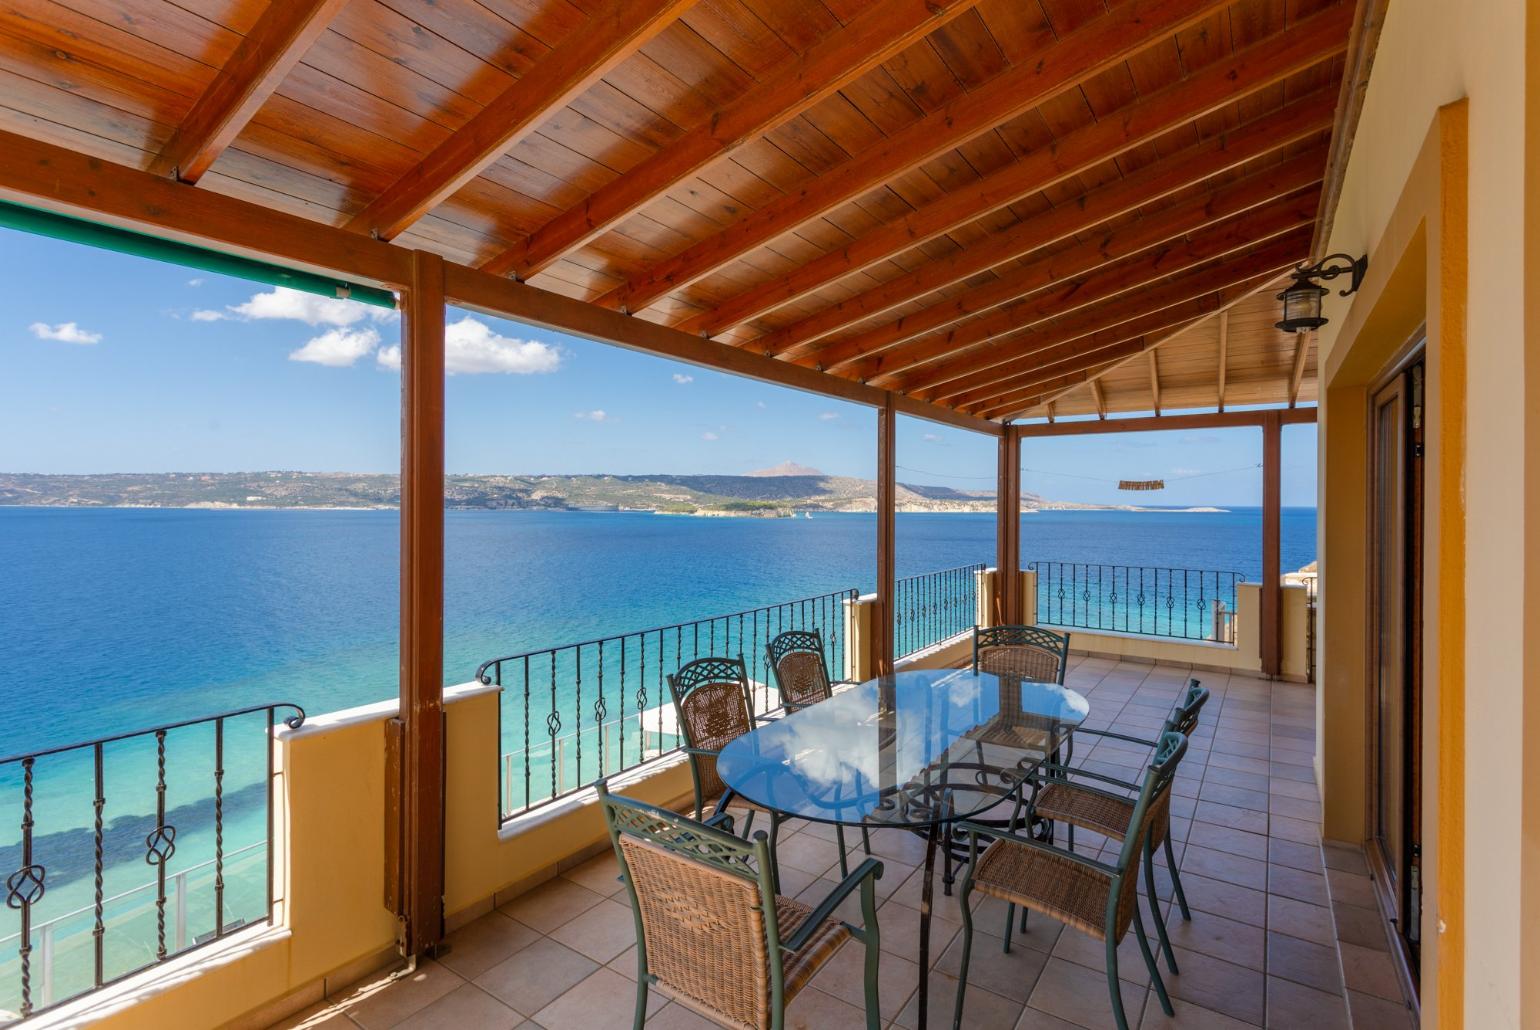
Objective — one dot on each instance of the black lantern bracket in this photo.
(1325, 269)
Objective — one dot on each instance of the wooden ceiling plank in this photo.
(1297, 375)
(958, 348)
(1181, 171)
(559, 77)
(1224, 354)
(879, 33)
(1314, 41)
(1169, 223)
(1101, 44)
(274, 46)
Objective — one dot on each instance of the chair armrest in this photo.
(976, 830)
(720, 821)
(1118, 736)
(871, 868)
(1067, 771)
(704, 751)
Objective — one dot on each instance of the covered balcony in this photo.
(1021, 220)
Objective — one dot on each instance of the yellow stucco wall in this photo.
(1460, 226)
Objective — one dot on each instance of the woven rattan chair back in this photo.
(1026, 652)
(704, 912)
(796, 659)
(1150, 811)
(712, 700)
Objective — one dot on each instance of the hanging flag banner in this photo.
(1141, 484)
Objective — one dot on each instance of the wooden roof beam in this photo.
(1169, 223)
(1182, 170)
(1100, 44)
(1054, 389)
(275, 44)
(1099, 397)
(1224, 354)
(556, 79)
(932, 360)
(1094, 329)
(1297, 375)
(878, 33)
(1154, 382)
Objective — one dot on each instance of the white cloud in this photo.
(338, 348)
(708, 436)
(931, 437)
(472, 347)
(681, 378)
(206, 315)
(828, 416)
(64, 332)
(282, 302)
(389, 357)
(760, 405)
(195, 282)
(597, 415)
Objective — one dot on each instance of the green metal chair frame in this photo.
(1184, 720)
(1035, 637)
(1154, 790)
(808, 642)
(713, 846)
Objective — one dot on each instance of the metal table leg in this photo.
(926, 889)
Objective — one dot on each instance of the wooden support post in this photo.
(1272, 586)
(1008, 528)
(421, 719)
(887, 485)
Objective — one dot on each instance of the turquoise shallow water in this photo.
(113, 620)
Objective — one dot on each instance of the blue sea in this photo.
(113, 620)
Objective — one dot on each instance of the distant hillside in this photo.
(767, 493)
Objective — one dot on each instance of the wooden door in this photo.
(1396, 650)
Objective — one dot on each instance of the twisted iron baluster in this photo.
(553, 724)
(622, 696)
(219, 828)
(25, 889)
(577, 707)
(98, 928)
(160, 845)
(601, 711)
(528, 744)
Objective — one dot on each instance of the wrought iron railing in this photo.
(92, 814)
(1312, 584)
(933, 607)
(575, 713)
(1191, 604)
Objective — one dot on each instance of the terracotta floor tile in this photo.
(386, 1002)
(551, 904)
(1370, 972)
(1369, 1011)
(482, 944)
(844, 977)
(1294, 854)
(1362, 926)
(1236, 797)
(1218, 814)
(1037, 1019)
(1297, 830)
(1314, 965)
(600, 933)
(1079, 995)
(1215, 984)
(1225, 838)
(1297, 884)
(536, 976)
(1351, 889)
(1291, 1006)
(600, 874)
(675, 1016)
(1300, 919)
(1345, 857)
(1188, 1016)
(1228, 939)
(981, 1007)
(1220, 865)
(604, 998)
(465, 1006)
(812, 1009)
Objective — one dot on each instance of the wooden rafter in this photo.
(1259, 66)
(1154, 381)
(261, 60)
(1052, 391)
(879, 33)
(1224, 354)
(1170, 223)
(1297, 376)
(958, 348)
(572, 66)
(1180, 171)
(1099, 397)
(1103, 43)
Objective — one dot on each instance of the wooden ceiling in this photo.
(990, 205)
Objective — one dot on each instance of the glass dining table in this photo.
(916, 750)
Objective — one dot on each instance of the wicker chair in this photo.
(1027, 652)
(1062, 800)
(1093, 896)
(710, 926)
(796, 660)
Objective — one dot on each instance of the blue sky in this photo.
(118, 364)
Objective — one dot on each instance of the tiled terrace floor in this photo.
(1284, 933)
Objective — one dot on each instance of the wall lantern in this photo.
(1302, 298)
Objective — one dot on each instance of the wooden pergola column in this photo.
(887, 485)
(416, 770)
(1272, 525)
(1008, 527)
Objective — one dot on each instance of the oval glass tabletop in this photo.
(910, 749)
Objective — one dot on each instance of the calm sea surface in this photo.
(116, 619)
